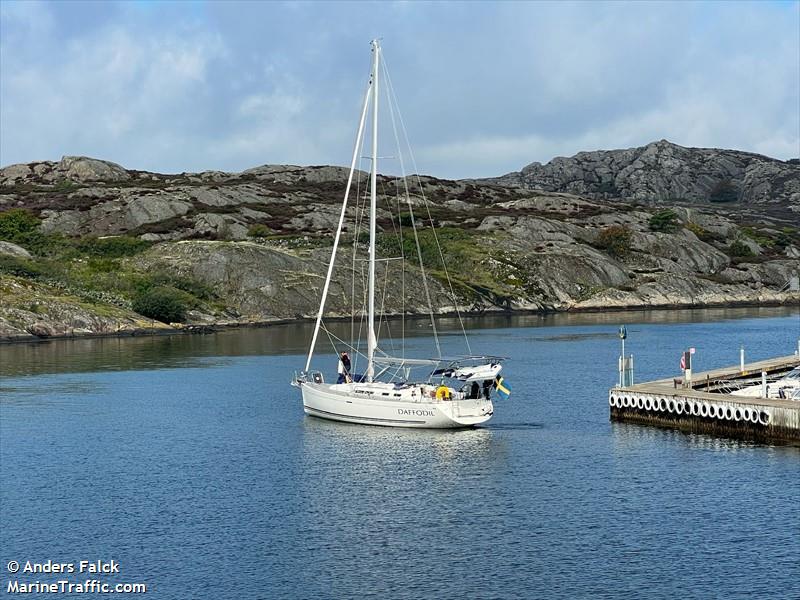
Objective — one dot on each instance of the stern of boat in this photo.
(467, 413)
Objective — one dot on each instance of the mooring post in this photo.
(741, 358)
(623, 333)
(631, 374)
(763, 384)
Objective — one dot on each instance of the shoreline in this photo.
(208, 328)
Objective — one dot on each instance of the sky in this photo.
(484, 88)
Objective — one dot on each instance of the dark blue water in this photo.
(189, 461)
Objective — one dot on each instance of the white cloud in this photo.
(484, 88)
(104, 94)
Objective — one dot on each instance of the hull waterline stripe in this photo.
(325, 412)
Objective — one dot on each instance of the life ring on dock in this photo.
(737, 415)
(763, 417)
(679, 408)
(671, 406)
(704, 409)
(662, 405)
(754, 416)
(640, 403)
(712, 411)
(443, 393)
(729, 413)
(746, 414)
(695, 406)
(611, 400)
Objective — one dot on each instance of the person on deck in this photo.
(344, 369)
(475, 391)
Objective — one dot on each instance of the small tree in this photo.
(164, 304)
(739, 249)
(616, 240)
(664, 221)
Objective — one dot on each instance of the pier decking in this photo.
(702, 407)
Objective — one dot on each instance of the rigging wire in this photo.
(393, 100)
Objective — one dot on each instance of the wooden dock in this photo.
(701, 407)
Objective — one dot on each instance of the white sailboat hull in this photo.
(353, 404)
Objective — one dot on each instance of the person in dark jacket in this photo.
(344, 368)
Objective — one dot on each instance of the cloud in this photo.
(484, 88)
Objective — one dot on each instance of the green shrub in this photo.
(195, 288)
(616, 240)
(259, 230)
(21, 267)
(104, 265)
(739, 249)
(665, 221)
(18, 225)
(112, 247)
(451, 240)
(165, 304)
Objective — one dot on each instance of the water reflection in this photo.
(442, 446)
(630, 436)
(156, 352)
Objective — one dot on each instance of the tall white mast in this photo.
(372, 342)
(356, 150)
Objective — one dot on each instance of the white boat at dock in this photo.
(786, 387)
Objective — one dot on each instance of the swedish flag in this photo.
(503, 389)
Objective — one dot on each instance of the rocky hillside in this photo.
(88, 247)
(665, 172)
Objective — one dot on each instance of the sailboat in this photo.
(453, 392)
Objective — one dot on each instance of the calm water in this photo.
(190, 462)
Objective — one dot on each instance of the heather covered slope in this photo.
(247, 247)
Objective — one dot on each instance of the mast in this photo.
(356, 149)
(372, 342)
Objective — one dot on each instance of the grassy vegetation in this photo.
(95, 269)
(474, 264)
(701, 232)
(259, 230)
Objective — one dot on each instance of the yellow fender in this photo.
(443, 393)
